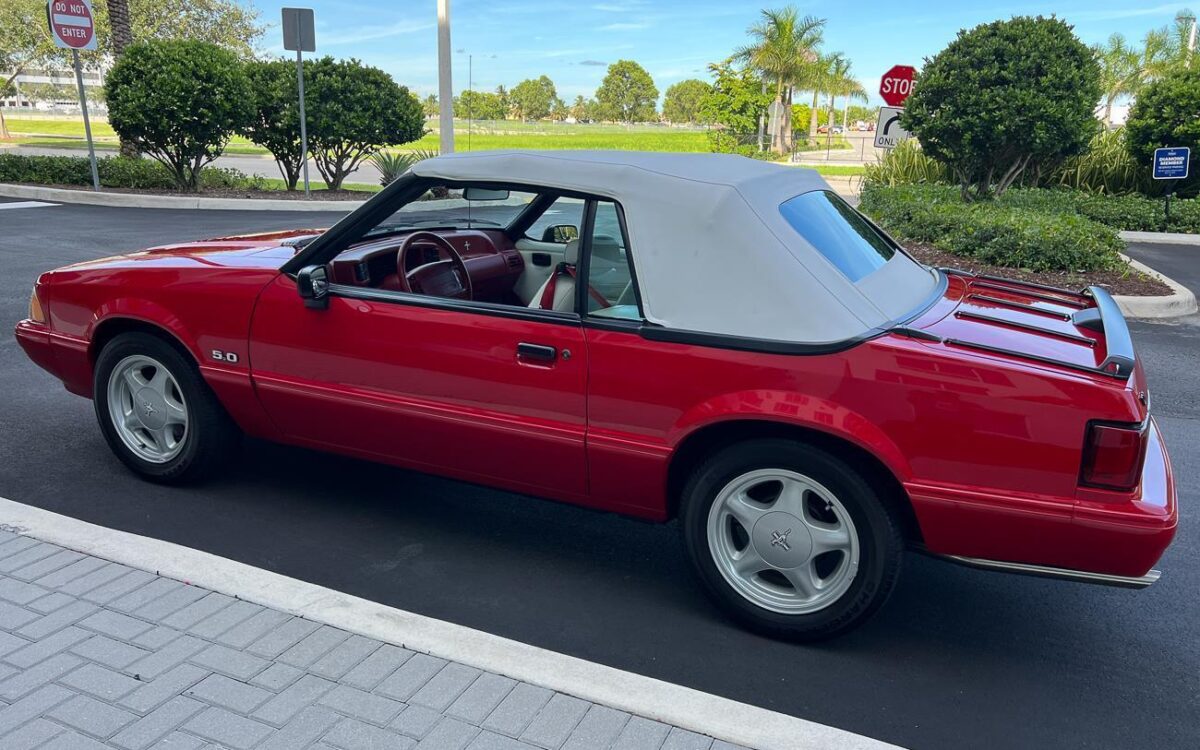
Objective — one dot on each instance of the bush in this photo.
(1167, 113)
(906, 164)
(392, 165)
(995, 233)
(115, 172)
(355, 110)
(1005, 96)
(178, 102)
(275, 124)
(1106, 167)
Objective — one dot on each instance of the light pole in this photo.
(445, 86)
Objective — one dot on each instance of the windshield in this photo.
(838, 232)
(448, 208)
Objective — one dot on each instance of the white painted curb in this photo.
(141, 200)
(722, 718)
(1177, 304)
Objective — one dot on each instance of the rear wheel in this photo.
(157, 413)
(789, 540)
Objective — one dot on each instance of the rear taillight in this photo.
(1113, 455)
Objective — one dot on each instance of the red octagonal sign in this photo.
(71, 23)
(897, 84)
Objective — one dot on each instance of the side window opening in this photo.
(611, 292)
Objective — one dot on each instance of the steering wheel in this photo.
(441, 278)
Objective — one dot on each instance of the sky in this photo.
(573, 41)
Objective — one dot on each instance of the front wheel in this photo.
(789, 540)
(157, 413)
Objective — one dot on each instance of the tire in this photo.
(799, 592)
(184, 451)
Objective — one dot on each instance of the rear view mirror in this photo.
(484, 194)
(560, 233)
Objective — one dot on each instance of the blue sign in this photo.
(1171, 163)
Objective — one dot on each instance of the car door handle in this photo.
(537, 352)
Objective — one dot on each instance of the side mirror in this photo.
(560, 233)
(312, 282)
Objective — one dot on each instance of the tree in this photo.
(579, 110)
(1166, 113)
(736, 103)
(1004, 97)
(275, 124)
(682, 101)
(354, 110)
(226, 23)
(478, 105)
(430, 106)
(841, 82)
(24, 43)
(505, 101)
(784, 52)
(178, 102)
(628, 92)
(1119, 71)
(534, 98)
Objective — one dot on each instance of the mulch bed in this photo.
(1129, 282)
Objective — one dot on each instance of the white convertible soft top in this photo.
(711, 250)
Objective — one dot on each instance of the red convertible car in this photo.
(696, 337)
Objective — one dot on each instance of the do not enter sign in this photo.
(72, 24)
(897, 84)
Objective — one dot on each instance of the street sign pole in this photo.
(87, 124)
(299, 34)
(73, 27)
(303, 121)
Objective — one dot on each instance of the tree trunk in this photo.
(812, 117)
(122, 37)
(777, 136)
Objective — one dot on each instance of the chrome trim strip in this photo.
(1063, 574)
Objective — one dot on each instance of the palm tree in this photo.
(1119, 71)
(122, 36)
(818, 80)
(843, 83)
(783, 51)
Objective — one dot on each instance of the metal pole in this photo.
(87, 124)
(303, 124)
(445, 89)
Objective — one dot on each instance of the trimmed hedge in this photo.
(994, 232)
(115, 172)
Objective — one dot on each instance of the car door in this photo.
(482, 392)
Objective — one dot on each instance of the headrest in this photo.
(571, 254)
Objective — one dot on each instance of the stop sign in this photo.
(897, 84)
(71, 23)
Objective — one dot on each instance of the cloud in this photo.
(367, 33)
(595, 63)
(625, 26)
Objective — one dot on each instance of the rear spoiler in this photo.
(1106, 318)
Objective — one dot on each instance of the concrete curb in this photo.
(138, 200)
(1181, 302)
(708, 714)
(1160, 238)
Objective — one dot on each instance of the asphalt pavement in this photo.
(959, 658)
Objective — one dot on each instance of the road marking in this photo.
(25, 204)
(718, 717)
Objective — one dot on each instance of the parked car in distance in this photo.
(706, 338)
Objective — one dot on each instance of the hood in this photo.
(265, 250)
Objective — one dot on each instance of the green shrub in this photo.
(995, 233)
(178, 102)
(1106, 167)
(1166, 114)
(275, 124)
(393, 164)
(115, 172)
(1003, 97)
(355, 110)
(906, 164)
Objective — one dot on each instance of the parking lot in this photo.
(959, 658)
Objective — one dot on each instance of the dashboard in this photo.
(491, 259)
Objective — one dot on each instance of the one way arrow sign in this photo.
(888, 132)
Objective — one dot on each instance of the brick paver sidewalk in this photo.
(94, 654)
